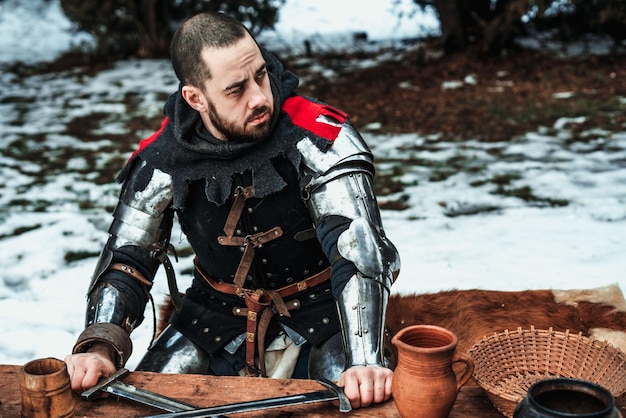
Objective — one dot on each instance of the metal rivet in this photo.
(325, 320)
(310, 330)
(194, 321)
(218, 339)
(205, 330)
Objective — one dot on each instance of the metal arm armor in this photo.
(141, 224)
(338, 182)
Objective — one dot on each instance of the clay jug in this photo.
(45, 389)
(425, 384)
(563, 397)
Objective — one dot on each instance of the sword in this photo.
(333, 393)
(113, 386)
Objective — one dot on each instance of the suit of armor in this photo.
(302, 254)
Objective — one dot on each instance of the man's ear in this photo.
(194, 98)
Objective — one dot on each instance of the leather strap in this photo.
(261, 307)
(249, 242)
(240, 195)
(132, 272)
(171, 279)
(283, 292)
(103, 332)
(263, 325)
(124, 268)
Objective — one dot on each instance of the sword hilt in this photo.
(344, 402)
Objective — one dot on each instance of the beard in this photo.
(241, 133)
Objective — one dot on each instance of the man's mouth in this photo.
(259, 117)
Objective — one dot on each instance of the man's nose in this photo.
(257, 97)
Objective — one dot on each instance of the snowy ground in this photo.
(460, 230)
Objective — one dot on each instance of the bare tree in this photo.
(494, 24)
(144, 28)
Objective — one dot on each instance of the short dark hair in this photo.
(205, 30)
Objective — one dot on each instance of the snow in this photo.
(509, 244)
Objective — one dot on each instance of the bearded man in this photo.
(274, 193)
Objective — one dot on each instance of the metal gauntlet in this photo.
(338, 184)
(362, 307)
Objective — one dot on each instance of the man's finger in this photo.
(366, 389)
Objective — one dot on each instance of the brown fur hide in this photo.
(473, 314)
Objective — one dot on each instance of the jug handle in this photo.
(469, 368)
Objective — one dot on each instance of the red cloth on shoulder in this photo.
(304, 113)
(147, 141)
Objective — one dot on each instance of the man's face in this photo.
(238, 97)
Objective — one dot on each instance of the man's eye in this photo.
(261, 75)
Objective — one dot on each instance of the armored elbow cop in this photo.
(338, 183)
(117, 294)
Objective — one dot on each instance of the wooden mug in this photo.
(45, 389)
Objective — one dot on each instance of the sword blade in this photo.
(145, 397)
(305, 398)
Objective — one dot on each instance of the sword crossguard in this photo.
(344, 402)
(90, 393)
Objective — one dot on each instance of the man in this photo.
(274, 193)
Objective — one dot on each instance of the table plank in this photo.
(206, 391)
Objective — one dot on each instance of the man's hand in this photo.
(365, 385)
(85, 369)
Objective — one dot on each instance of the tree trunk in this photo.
(452, 29)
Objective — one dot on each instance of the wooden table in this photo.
(206, 391)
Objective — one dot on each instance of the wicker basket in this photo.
(508, 363)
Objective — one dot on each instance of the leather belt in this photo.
(263, 302)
